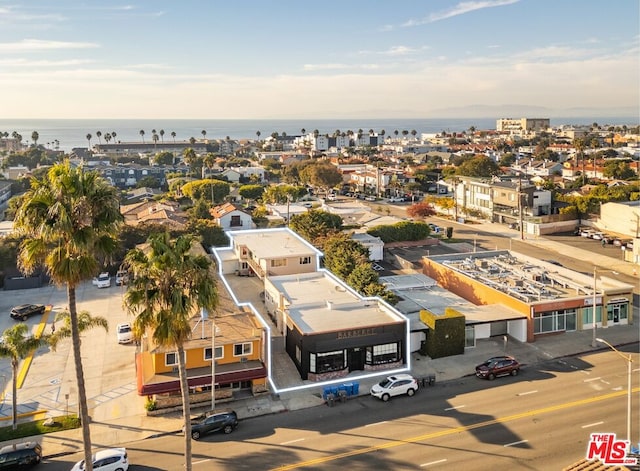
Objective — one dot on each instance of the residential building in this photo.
(522, 126)
(228, 217)
(165, 213)
(373, 244)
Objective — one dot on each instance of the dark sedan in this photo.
(498, 366)
(24, 311)
(225, 421)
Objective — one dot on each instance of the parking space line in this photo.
(26, 364)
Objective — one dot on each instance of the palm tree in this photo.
(303, 131)
(70, 219)
(173, 135)
(85, 322)
(413, 133)
(99, 135)
(34, 137)
(142, 134)
(169, 286)
(258, 133)
(162, 135)
(154, 137)
(204, 133)
(113, 135)
(89, 136)
(107, 137)
(17, 344)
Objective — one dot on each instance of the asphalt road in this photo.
(538, 420)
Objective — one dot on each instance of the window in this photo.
(326, 362)
(171, 359)
(235, 221)
(554, 321)
(387, 353)
(278, 262)
(305, 260)
(219, 353)
(240, 349)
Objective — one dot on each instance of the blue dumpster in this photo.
(348, 387)
(356, 388)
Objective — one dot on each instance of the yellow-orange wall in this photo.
(195, 357)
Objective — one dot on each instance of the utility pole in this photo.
(520, 206)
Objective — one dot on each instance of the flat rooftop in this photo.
(321, 304)
(417, 292)
(526, 278)
(273, 243)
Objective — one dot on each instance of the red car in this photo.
(498, 366)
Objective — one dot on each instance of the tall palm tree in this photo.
(162, 135)
(34, 137)
(142, 134)
(173, 135)
(89, 136)
(70, 219)
(258, 133)
(204, 133)
(17, 344)
(99, 135)
(113, 135)
(169, 286)
(85, 322)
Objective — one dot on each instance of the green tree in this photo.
(618, 170)
(62, 323)
(142, 135)
(315, 225)
(343, 254)
(17, 344)
(70, 220)
(148, 182)
(209, 233)
(169, 286)
(479, 166)
(251, 192)
(34, 137)
(198, 189)
(163, 158)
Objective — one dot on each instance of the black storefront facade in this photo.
(328, 355)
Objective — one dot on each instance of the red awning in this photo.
(172, 382)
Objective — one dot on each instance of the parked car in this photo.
(124, 333)
(370, 198)
(498, 366)
(587, 233)
(122, 278)
(395, 385)
(20, 455)
(103, 280)
(396, 199)
(225, 421)
(24, 311)
(112, 459)
(435, 228)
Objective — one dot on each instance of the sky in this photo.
(259, 59)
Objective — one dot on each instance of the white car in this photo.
(122, 278)
(395, 385)
(112, 459)
(396, 199)
(103, 280)
(124, 332)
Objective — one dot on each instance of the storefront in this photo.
(329, 355)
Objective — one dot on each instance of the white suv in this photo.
(395, 386)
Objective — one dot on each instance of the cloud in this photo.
(314, 67)
(34, 45)
(460, 9)
(43, 63)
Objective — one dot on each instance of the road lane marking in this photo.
(377, 423)
(527, 392)
(200, 462)
(292, 441)
(452, 431)
(515, 443)
(591, 379)
(432, 462)
(454, 408)
(593, 424)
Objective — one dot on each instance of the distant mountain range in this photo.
(528, 111)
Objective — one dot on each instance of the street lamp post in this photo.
(629, 361)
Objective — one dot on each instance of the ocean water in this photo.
(72, 133)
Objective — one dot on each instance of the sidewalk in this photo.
(126, 430)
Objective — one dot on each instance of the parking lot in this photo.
(587, 243)
(109, 368)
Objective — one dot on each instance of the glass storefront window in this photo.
(387, 353)
(325, 362)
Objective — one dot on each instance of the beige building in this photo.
(522, 126)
